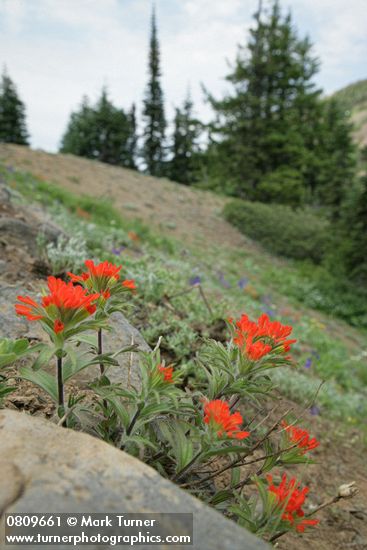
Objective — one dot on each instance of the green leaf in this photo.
(42, 379)
(5, 390)
(226, 450)
(44, 357)
(20, 346)
(7, 359)
(90, 339)
(235, 476)
(220, 497)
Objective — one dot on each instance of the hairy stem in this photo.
(100, 350)
(60, 388)
(134, 419)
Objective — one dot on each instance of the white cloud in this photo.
(58, 50)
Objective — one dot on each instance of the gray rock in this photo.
(48, 469)
(14, 232)
(24, 235)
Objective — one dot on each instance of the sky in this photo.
(56, 51)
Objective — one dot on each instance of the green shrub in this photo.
(298, 234)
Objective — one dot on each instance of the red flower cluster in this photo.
(256, 350)
(129, 283)
(104, 270)
(67, 296)
(218, 415)
(166, 372)
(290, 499)
(259, 338)
(60, 306)
(301, 437)
(101, 278)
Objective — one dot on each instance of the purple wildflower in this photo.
(195, 280)
(117, 251)
(242, 283)
(308, 363)
(314, 410)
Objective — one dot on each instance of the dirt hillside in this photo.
(156, 201)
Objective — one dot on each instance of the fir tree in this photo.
(101, 132)
(153, 111)
(184, 163)
(259, 126)
(353, 246)
(13, 127)
(78, 138)
(132, 142)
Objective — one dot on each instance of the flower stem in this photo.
(187, 467)
(135, 417)
(100, 350)
(60, 389)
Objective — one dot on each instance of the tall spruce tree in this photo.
(153, 111)
(13, 128)
(183, 167)
(259, 126)
(132, 142)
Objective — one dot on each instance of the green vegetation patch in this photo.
(298, 234)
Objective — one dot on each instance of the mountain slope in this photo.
(156, 201)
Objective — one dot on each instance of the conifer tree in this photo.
(259, 126)
(153, 111)
(184, 163)
(101, 132)
(354, 231)
(331, 164)
(78, 137)
(13, 127)
(132, 142)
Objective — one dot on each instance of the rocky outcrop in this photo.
(47, 469)
(20, 227)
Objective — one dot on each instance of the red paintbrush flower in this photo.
(256, 339)
(31, 311)
(166, 372)
(58, 326)
(64, 304)
(129, 283)
(275, 331)
(256, 350)
(103, 272)
(103, 278)
(301, 437)
(218, 416)
(290, 499)
(66, 296)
